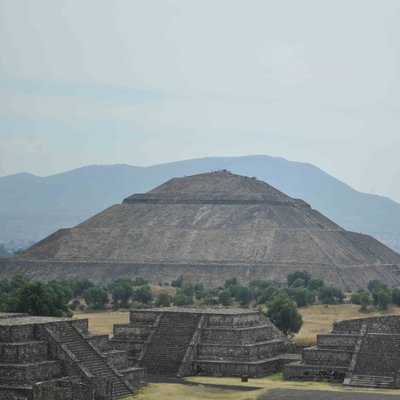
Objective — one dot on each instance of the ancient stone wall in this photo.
(211, 275)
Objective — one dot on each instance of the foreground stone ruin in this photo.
(182, 341)
(358, 352)
(44, 358)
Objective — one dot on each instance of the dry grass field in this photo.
(319, 319)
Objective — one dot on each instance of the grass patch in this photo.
(174, 391)
(103, 322)
(276, 382)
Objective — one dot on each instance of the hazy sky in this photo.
(144, 82)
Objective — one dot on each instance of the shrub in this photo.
(225, 298)
(38, 298)
(96, 297)
(330, 295)
(144, 294)
(178, 282)
(181, 299)
(291, 278)
(284, 314)
(163, 300)
(315, 283)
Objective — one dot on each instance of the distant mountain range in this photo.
(32, 207)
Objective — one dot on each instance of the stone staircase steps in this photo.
(166, 351)
(372, 381)
(88, 356)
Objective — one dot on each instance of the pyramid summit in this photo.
(208, 228)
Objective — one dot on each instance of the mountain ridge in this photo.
(33, 207)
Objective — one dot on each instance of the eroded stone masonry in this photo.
(358, 352)
(44, 358)
(218, 342)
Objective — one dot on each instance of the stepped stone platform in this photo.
(45, 358)
(209, 228)
(218, 342)
(358, 352)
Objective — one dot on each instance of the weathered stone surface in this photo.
(45, 358)
(219, 342)
(358, 352)
(208, 228)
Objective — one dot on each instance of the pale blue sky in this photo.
(149, 81)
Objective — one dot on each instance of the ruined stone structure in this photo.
(209, 228)
(45, 358)
(218, 342)
(358, 352)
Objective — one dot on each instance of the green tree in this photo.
(38, 298)
(199, 291)
(315, 284)
(330, 295)
(383, 299)
(284, 314)
(231, 282)
(375, 285)
(96, 297)
(163, 300)
(266, 294)
(178, 282)
(298, 275)
(395, 296)
(224, 297)
(244, 295)
(302, 296)
(181, 299)
(144, 294)
(121, 293)
(365, 301)
(298, 283)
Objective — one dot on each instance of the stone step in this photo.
(380, 381)
(88, 356)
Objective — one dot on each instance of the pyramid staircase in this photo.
(89, 358)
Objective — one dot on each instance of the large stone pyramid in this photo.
(208, 228)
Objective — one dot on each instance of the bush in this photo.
(163, 300)
(243, 295)
(121, 292)
(396, 296)
(330, 295)
(231, 282)
(224, 297)
(284, 314)
(383, 299)
(302, 296)
(265, 295)
(178, 283)
(38, 298)
(139, 281)
(315, 284)
(96, 297)
(298, 283)
(199, 291)
(144, 294)
(365, 300)
(291, 278)
(181, 299)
